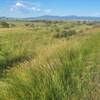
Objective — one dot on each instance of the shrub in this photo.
(67, 27)
(65, 34)
(4, 24)
(57, 30)
(12, 25)
(27, 24)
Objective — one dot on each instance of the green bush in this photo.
(12, 25)
(65, 34)
(4, 24)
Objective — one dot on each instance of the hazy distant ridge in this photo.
(49, 17)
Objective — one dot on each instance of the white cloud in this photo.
(18, 4)
(29, 7)
(36, 9)
(11, 9)
(33, 8)
(48, 11)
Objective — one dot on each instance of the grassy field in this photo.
(50, 60)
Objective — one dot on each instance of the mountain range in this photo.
(50, 17)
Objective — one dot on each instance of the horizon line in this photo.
(51, 15)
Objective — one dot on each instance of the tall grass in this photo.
(59, 69)
(68, 75)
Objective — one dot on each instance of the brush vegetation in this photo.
(49, 60)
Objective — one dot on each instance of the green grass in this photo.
(59, 69)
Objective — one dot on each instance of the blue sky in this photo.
(33, 8)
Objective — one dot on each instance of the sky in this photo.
(34, 8)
